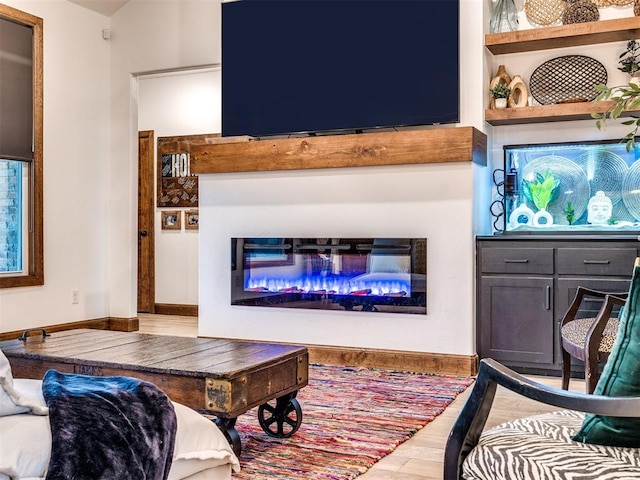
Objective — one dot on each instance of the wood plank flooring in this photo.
(420, 457)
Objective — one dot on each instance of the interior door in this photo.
(146, 244)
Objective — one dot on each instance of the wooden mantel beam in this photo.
(243, 154)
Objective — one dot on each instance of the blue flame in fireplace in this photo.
(379, 284)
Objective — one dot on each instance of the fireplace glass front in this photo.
(355, 274)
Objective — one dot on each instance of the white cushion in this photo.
(540, 447)
(199, 445)
(12, 400)
(25, 441)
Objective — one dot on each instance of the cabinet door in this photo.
(567, 291)
(516, 320)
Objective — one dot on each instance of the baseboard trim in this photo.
(402, 360)
(176, 309)
(98, 324)
(422, 362)
(107, 323)
(124, 324)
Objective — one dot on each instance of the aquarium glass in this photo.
(589, 186)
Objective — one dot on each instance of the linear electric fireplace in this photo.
(355, 274)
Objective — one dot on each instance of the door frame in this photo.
(146, 291)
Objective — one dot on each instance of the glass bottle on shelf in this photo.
(504, 17)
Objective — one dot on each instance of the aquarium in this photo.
(567, 187)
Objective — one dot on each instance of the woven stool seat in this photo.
(591, 345)
(575, 332)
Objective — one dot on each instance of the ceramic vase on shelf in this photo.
(504, 17)
(519, 96)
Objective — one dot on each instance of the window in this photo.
(21, 222)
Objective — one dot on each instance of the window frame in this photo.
(34, 270)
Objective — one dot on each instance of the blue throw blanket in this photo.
(108, 428)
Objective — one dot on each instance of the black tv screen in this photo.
(292, 66)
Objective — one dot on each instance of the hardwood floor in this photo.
(420, 457)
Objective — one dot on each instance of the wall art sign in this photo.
(177, 186)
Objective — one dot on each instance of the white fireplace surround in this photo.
(433, 201)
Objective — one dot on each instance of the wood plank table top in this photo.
(223, 377)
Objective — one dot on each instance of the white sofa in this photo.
(201, 450)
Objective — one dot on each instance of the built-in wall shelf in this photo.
(544, 38)
(403, 147)
(545, 113)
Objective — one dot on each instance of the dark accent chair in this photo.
(465, 433)
(589, 339)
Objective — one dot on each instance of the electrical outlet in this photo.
(75, 296)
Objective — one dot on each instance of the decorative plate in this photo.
(574, 186)
(605, 171)
(621, 214)
(544, 12)
(569, 78)
(631, 190)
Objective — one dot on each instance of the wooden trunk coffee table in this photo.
(224, 378)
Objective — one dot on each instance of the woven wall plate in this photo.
(580, 11)
(573, 187)
(605, 171)
(630, 189)
(567, 79)
(620, 3)
(602, 3)
(544, 12)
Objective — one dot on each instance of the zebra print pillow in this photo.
(540, 447)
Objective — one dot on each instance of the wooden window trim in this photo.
(35, 268)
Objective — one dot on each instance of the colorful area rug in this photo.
(352, 417)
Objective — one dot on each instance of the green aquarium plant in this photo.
(541, 190)
(570, 213)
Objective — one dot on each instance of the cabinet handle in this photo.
(547, 300)
(596, 262)
(516, 260)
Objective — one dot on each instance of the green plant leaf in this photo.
(541, 191)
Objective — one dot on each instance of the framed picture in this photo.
(191, 219)
(171, 220)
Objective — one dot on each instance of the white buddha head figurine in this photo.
(600, 209)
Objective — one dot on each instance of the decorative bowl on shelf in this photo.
(567, 79)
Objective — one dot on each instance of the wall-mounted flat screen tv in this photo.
(311, 66)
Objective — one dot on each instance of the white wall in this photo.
(178, 103)
(76, 165)
(90, 148)
(146, 36)
(432, 201)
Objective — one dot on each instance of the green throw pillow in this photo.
(620, 378)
